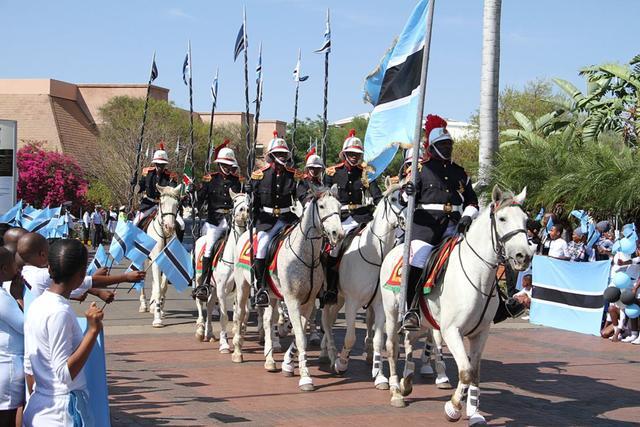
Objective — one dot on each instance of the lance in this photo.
(256, 118)
(326, 49)
(153, 74)
(416, 150)
(214, 95)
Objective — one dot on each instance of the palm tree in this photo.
(489, 86)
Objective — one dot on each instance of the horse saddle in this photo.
(274, 244)
(144, 223)
(436, 265)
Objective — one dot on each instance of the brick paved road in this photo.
(530, 376)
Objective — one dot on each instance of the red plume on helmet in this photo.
(352, 133)
(432, 122)
(220, 147)
(310, 153)
(275, 133)
(161, 145)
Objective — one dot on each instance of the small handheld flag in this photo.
(13, 215)
(100, 260)
(122, 241)
(175, 263)
(140, 249)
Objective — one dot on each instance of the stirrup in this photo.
(201, 292)
(330, 297)
(262, 298)
(411, 321)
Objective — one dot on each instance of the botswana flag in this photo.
(141, 247)
(326, 44)
(175, 263)
(568, 295)
(393, 88)
(122, 240)
(241, 39)
(13, 215)
(139, 286)
(100, 260)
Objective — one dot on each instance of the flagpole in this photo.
(191, 147)
(207, 165)
(326, 102)
(134, 179)
(250, 147)
(256, 118)
(295, 122)
(416, 150)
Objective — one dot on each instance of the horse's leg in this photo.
(406, 386)
(156, 296)
(239, 315)
(476, 347)
(275, 339)
(200, 326)
(453, 408)
(305, 383)
(392, 356)
(426, 370)
(442, 380)
(329, 314)
(267, 320)
(342, 363)
(368, 339)
(314, 336)
(381, 382)
(223, 345)
(144, 306)
(284, 324)
(208, 323)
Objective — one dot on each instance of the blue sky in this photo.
(112, 41)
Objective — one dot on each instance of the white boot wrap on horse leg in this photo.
(305, 377)
(409, 368)
(473, 400)
(377, 364)
(426, 353)
(394, 382)
(224, 345)
(441, 369)
(288, 364)
(451, 411)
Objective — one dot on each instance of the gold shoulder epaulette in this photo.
(240, 178)
(298, 175)
(257, 175)
(365, 180)
(394, 180)
(330, 171)
(145, 171)
(207, 178)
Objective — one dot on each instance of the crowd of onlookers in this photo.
(100, 224)
(42, 348)
(554, 239)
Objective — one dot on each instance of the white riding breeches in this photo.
(143, 214)
(420, 250)
(212, 234)
(180, 222)
(264, 237)
(347, 225)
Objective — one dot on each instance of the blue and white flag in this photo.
(568, 295)
(326, 44)
(214, 90)
(241, 39)
(59, 227)
(175, 263)
(186, 65)
(100, 260)
(140, 250)
(296, 72)
(393, 88)
(14, 215)
(139, 286)
(540, 214)
(122, 240)
(259, 76)
(40, 223)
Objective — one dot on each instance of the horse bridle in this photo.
(232, 229)
(163, 214)
(399, 221)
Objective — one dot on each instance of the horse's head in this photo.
(328, 212)
(168, 208)
(510, 227)
(393, 209)
(240, 208)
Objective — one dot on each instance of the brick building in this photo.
(65, 116)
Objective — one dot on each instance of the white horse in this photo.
(465, 304)
(298, 279)
(162, 229)
(222, 276)
(359, 279)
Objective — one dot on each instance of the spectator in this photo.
(112, 221)
(524, 296)
(576, 249)
(11, 347)
(122, 215)
(603, 246)
(533, 234)
(97, 221)
(557, 246)
(86, 226)
(55, 348)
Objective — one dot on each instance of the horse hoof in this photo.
(477, 420)
(143, 309)
(224, 348)
(287, 370)
(340, 366)
(212, 339)
(398, 402)
(199, 337)
(224, 351)
(382, 386)
(325, 360)
(451, 413)
(157, 324)
(406, 387)
(270, 366)
(236, 358)
(444, 386)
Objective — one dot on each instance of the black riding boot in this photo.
(331, 294)
(202, 289)
(411, 321)
(262, 297)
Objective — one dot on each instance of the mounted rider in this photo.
(313, 173)
(274, 189)
(215, 193)
(445, 203)
(157, 174)
(354, 187)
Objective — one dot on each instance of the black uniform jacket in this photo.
(352, 183)
(275, 189)
(151, 177)
(215, 193)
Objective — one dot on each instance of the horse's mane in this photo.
(391, 189)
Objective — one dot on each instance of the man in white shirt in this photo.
(97, 221)
(86, 222)
(557, 245)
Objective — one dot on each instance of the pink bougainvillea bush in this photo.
(49, 178)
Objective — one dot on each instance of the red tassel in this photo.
(310, 153)
(161, 144)
(433, 122)
(275, 133)
(352, 133)
(220, 147)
